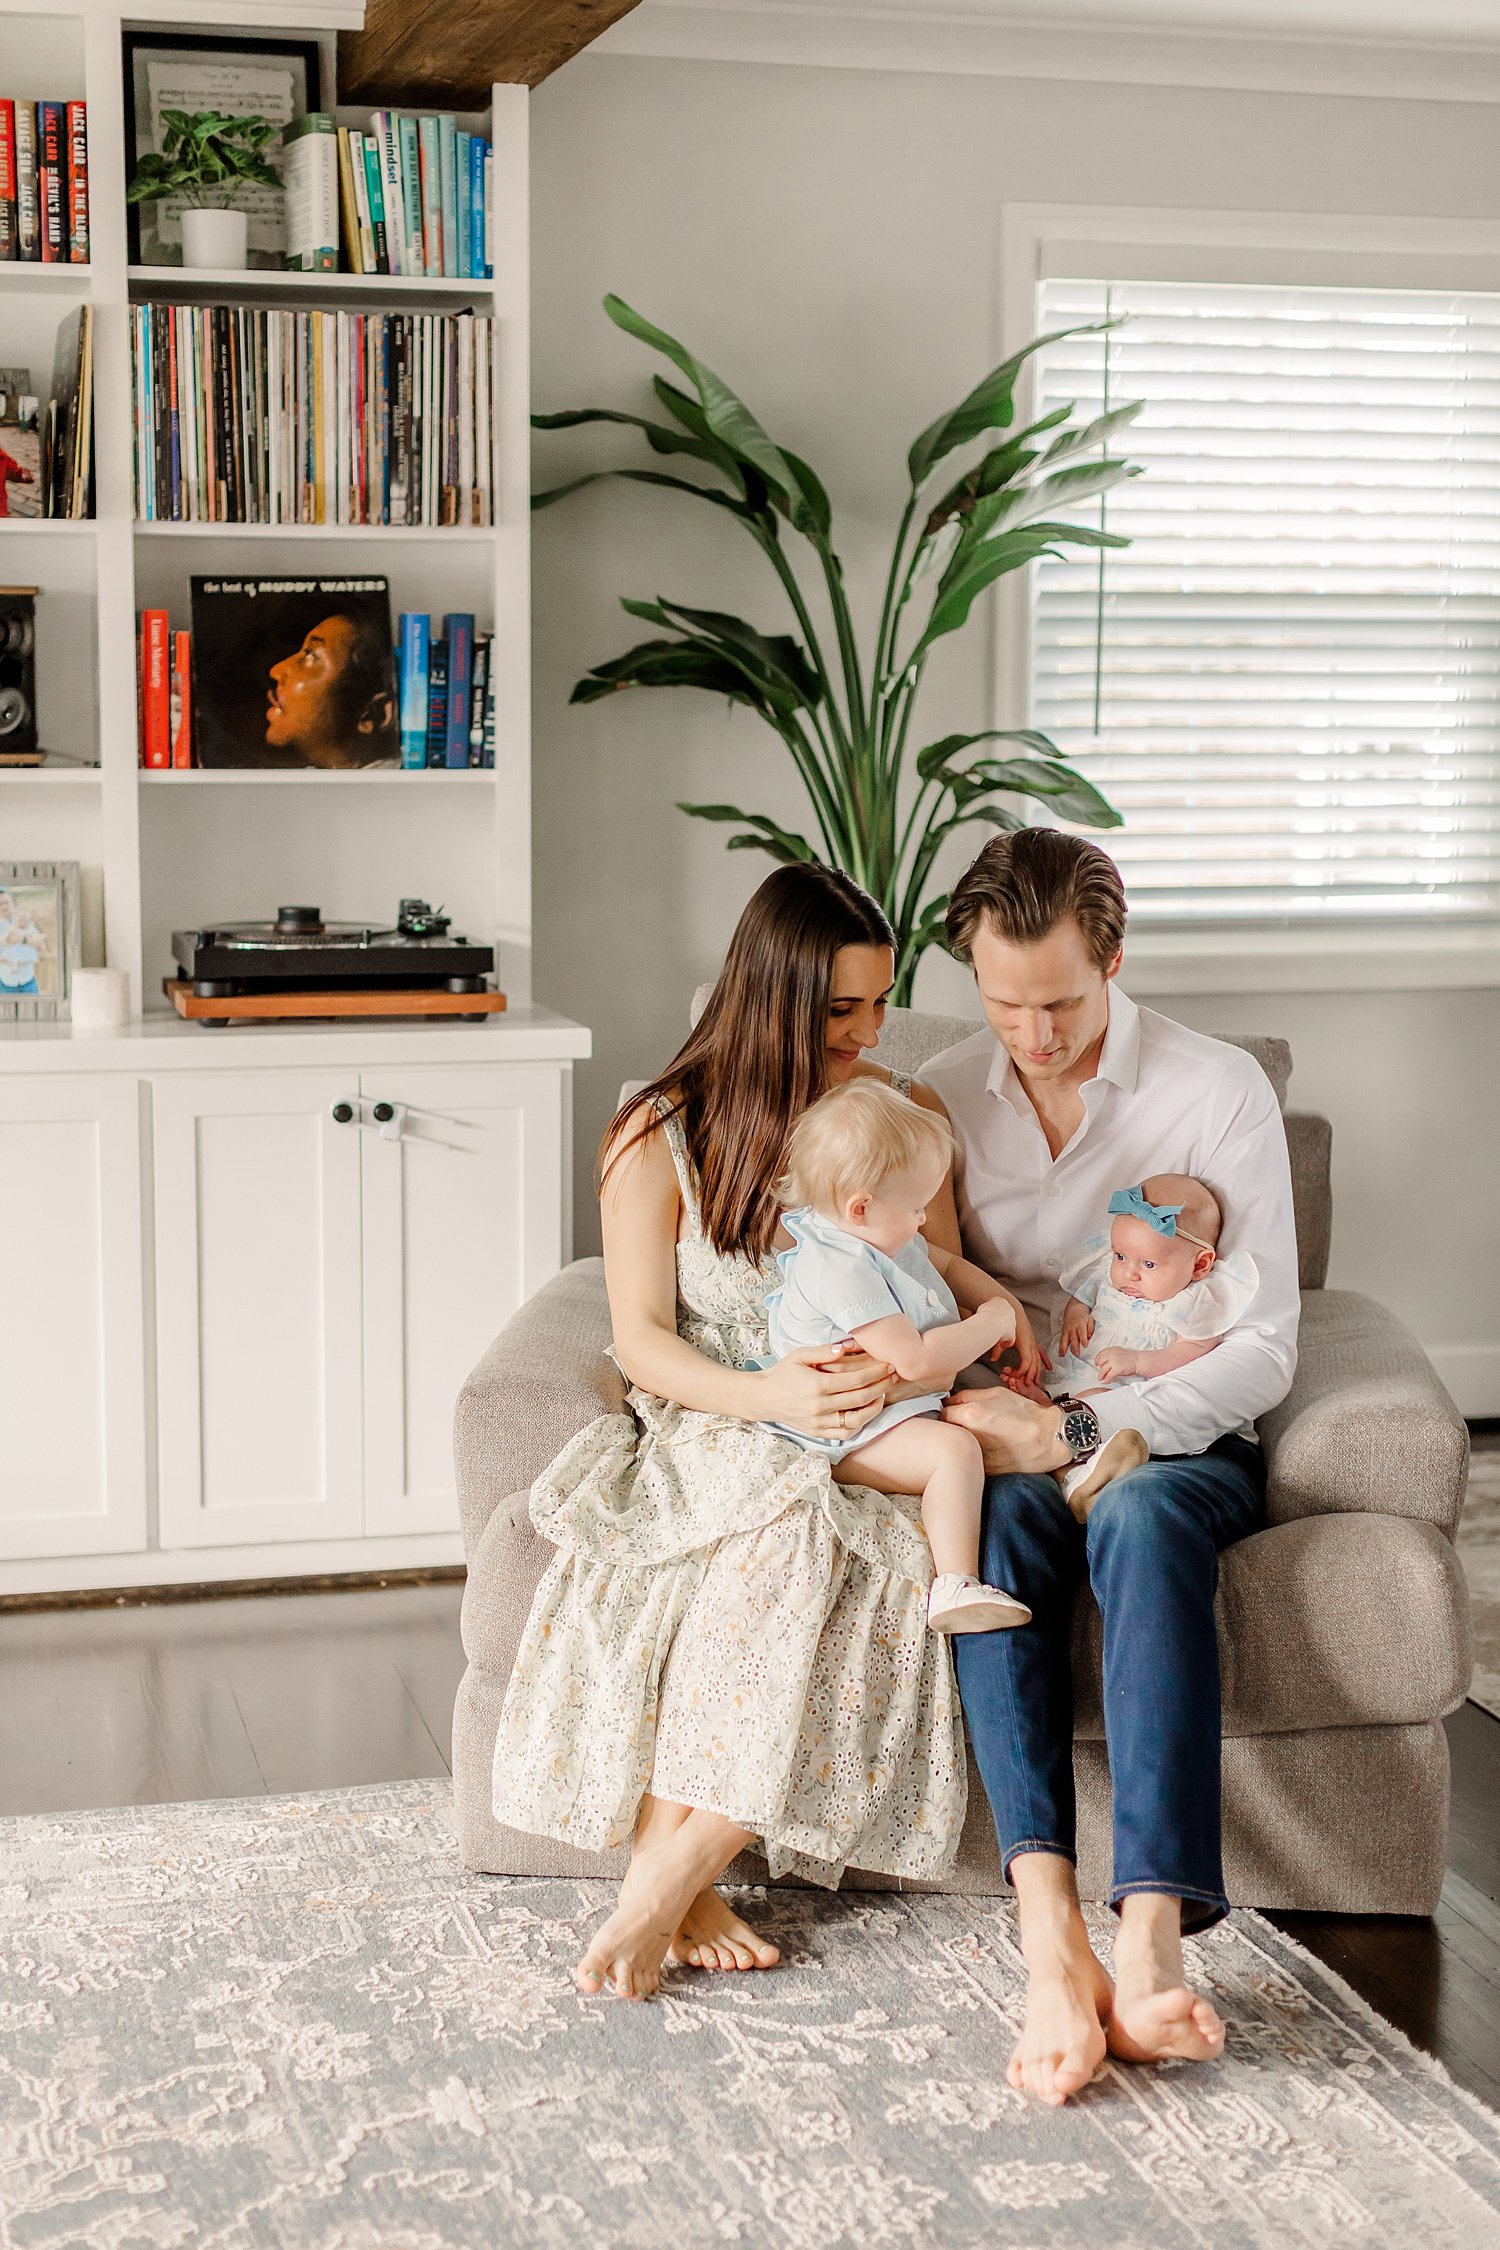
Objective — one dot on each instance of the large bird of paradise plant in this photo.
(881, 811)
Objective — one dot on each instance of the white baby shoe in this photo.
(1116, 1457)
(967, 1605)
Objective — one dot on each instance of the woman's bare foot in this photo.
(1155, 2014)
(712, 1936)
(1062, 2043)
(627, 1950)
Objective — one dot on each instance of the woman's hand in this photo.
(825, 1394)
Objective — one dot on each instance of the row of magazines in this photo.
(252, 414)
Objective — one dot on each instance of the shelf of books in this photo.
(276, 519)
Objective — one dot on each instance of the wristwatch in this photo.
(1081, 1432)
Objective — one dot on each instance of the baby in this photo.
(863, 1163)
(1151, 1295)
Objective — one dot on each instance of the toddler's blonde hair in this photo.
(858, 1136)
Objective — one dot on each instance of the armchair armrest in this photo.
(1367, 1428)
(544, 1378)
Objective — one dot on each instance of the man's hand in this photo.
(1017, 1436)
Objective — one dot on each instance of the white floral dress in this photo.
(728, 1627)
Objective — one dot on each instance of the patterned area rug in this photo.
(1479, 1552)
(294, 2021)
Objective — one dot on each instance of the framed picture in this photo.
(294, 672)
(38, 938)
(277, 79)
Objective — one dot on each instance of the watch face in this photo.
(1081, 1430)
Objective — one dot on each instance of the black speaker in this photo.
(18, 735)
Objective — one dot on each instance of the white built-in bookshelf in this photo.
(165, 851)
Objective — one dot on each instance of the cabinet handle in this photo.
(382, 1113)
(343, 1113)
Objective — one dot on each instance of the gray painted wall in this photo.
(828, 240)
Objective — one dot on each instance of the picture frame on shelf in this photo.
(39, 938)
(277, 79)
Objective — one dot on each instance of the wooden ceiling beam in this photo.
(448, 53)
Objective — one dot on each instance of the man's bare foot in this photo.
(1068, 2002)
(628, 1949)
(1155, 2013)
(712, 1936)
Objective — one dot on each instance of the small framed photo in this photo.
(38, 938)
(277, 79)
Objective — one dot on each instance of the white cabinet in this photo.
(72, 1307)
(242, 1279)
(258, 1308)
(462, 1197)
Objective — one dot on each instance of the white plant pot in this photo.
(218, 239)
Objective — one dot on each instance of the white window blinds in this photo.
(1288, 683)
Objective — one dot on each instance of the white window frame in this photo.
(1278, 249)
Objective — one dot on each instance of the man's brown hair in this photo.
(1023, 884)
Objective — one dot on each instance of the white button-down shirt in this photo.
(1165, 1099)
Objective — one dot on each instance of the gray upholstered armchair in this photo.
(1343, 1626)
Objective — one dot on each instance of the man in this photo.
(332, 702)
(1072, 1093)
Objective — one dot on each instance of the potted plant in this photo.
(207, 158)
(882, 803)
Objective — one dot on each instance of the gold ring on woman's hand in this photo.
(843, 1417)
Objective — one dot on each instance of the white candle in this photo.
(99, 999)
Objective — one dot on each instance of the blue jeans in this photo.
(1151, 1549)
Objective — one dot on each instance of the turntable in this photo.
(301, 966)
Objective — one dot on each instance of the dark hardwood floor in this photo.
(149, 1703)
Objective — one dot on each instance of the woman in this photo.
(730, 1645)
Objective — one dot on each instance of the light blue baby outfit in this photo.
(831, 1284)
(1205, 1309)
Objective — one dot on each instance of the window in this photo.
(1288, 682)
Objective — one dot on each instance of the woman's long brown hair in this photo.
(757, 1055)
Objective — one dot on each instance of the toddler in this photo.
(862, 1165)
(1151, 1295)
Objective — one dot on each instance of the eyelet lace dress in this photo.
(726, 1626)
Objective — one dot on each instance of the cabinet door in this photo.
(72, 1308)
(257, 1266)
(463, 1219)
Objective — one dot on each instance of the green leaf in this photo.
(957, 595)
(937, 754)
(989, 406)
(1099, 432)
(1068, 488)
(782, 844)
(660, 439)
(727, 415)
(727, 500)
(776, 656)
(668, 664)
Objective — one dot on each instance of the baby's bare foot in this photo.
(627, 1951)
(712, 1936)
(1062, 2043)
(1155, 2013)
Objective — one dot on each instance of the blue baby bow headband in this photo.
(1131, 1203)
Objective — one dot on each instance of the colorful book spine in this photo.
(353, 249)
(312, 193)
(362, 202)
(28, 226)
(488, 758)
(7, 179)
(448, 189)
(412, 652)
(437, 702)
(458, 631)
(476, 207)
(479, 692)
(462, 143)
(78, 183)
(430, 160)
(52, 179)
(375, 197)
(182, 700)
(489, 212)
(411, 195)
(156, 688)
(389, 145)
